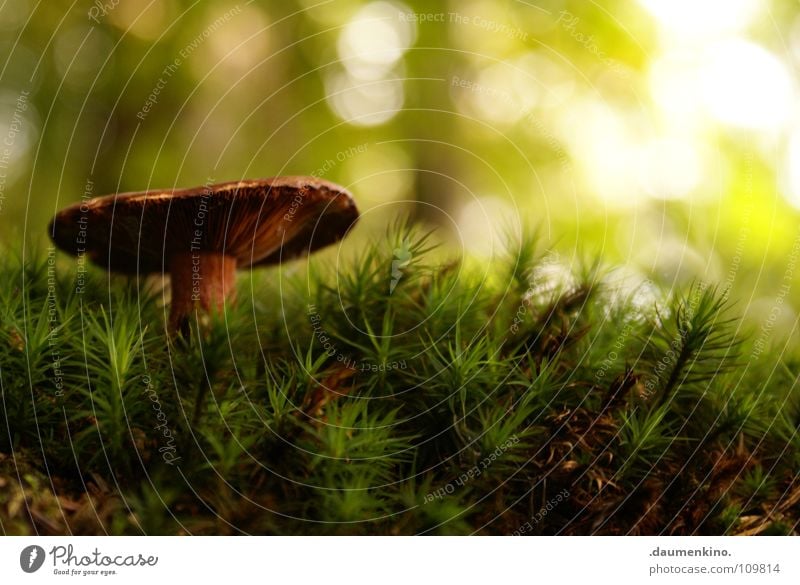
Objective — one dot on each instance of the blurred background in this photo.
(663, 135)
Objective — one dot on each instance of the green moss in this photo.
(397, 394)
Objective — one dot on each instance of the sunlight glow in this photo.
(367, 90)
(375, 40)
(670, 168)
(746, 86)
(701, 19)
(674, 84)
(146, 21)
(548, 279)
(364, 103)
(604, 141)
(735, 82)
(791, 172)
(502, 93)
(481, 224)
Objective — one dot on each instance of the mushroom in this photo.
(201, 236)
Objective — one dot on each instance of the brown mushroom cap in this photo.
(257, 222)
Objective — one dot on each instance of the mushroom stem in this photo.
(206, 279)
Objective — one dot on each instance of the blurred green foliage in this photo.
(659, 134)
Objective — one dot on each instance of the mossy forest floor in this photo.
(398, 392)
